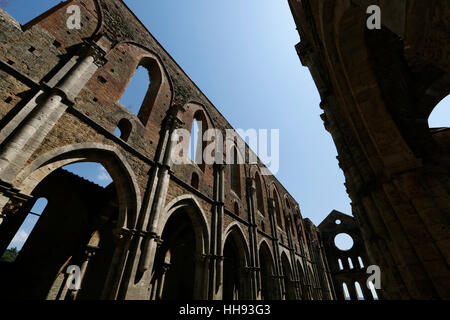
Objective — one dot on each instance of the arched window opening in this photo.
(235, 173)
(195, 143)
(77, 227)
(194, 180)
(373, 291)
(350, 263)
(123, 129)
(288, 206)
(259, 194)
(440, 116)
(21, 236)
(142, 89)
(341, 266)
(361, 264)
(359, 291)
(287, 223)
(137, 88)
(117, 132)
(346, 293)
(278, 210)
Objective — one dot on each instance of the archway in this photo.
(179, 270)
(288, 278)
(78, 227)
(174, 263)
(268, 287)
(235, 279)
(305, 293)
(313, 282)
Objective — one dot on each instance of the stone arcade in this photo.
(378, 88)
(158, 231)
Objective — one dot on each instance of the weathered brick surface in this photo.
(378, 87)
(37, 57)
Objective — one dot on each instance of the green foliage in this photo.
(10, 255)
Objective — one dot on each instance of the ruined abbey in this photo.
(378, 87)
(167, 231)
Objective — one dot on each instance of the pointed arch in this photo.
(236, 258)
(178, 272)
(110, 157)
(235, 230)
(345, 291)
(150, 66)
(199, 125)
(259, 194)
(267, 272)
(288, 277)
(303, 284)
(159, 93)
(278, 207)
(359, 291)
(125, 193)
(196, 215)
(313, 283)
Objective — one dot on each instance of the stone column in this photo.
(254, 265)
(25, 132)
(296, 277)
(165, 267)
(88, 254)
(220, 213)
(161, 179)
(215, 257)
(123, 238)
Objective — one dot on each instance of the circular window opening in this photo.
(343, 241)
(338, 221)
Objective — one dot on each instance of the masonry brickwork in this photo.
(159, 231)
(378, 88)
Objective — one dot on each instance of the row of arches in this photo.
(179, 269)
(75, 222)
(359, 292)
(142, 90)
(350, 263)
(236, 173)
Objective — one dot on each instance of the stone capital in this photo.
(97, 52)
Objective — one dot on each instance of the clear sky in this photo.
(241, 55)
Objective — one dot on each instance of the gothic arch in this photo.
(159, 92)
(110, 157)
(288, 277)
(197, 217)
(303, 284)
(260, 193)
(278, 206)
(235, 230)
(197, 113)
(179, 270)
(396, 151)
(236, 170)
(267, 272)
(236, 253)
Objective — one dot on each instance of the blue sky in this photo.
(241, 55)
